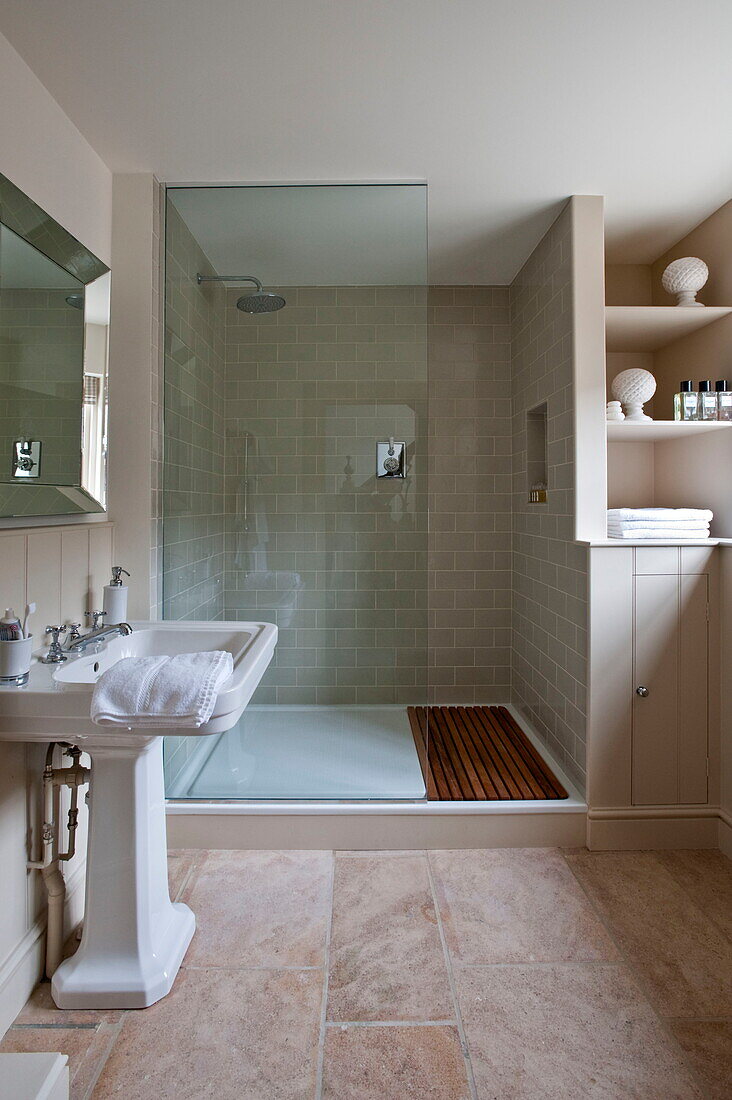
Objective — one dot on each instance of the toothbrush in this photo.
(29, 610)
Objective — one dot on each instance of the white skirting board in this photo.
(725, 833)
(21, 970)
(657, 827)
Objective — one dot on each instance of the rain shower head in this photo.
(259, 301)
(76, 301)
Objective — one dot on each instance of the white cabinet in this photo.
(654, 623)
(670, 720)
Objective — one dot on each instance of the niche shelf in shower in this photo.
(536, 455)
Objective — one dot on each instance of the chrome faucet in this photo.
(102, 634)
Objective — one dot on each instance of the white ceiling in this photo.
(311, 236)
(505, 107)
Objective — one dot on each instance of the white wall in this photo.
(44, 155)
(134, 381)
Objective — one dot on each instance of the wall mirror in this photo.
(54, 323)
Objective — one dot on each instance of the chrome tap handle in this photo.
(54, 655)
(73, 632)
(96, 617)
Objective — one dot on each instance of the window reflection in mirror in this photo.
(94, 401)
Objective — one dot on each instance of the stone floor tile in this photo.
(707, 1045)
(386, 956)
(258, 908)
(572, 1031)
(681, 957)
(515, 905)
(706, 876)
(394, 1063)
(225, 1034)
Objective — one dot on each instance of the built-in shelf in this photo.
(646, 328)
(657, 431)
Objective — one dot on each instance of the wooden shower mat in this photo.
(479, 754)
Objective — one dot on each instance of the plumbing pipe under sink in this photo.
(49, 864)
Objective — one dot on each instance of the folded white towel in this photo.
(160, 692)
(699, 514)
(677, 524)
(671, 533)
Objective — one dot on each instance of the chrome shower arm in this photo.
(228, 279)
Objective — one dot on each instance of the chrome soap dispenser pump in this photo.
(115, 597)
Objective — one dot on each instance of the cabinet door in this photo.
(693, 687)
(655, 716)
(670, 660)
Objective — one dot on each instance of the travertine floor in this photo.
(491, 975)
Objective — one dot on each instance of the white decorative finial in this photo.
(685, 278)
(634, 387)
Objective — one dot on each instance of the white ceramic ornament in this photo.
(633, 387)
(615, 411)
(685, 278)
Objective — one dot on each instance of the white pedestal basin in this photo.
(134, 937)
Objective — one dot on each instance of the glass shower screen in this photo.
(295, 478)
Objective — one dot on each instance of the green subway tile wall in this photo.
(549, 658)
(314, 541)
(194, 435)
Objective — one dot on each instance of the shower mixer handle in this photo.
(390, 459)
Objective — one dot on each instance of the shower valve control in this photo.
(390, 459)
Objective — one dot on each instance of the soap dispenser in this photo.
(115, 597)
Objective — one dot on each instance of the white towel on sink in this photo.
(161, 692)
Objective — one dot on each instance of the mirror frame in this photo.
(28, 220)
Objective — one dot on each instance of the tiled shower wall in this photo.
(470, 494)
(297, 530)
(314, 541)
(193, 551)
(549, 665)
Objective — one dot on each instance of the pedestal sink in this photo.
(134, 937)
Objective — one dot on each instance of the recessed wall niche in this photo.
(536, 460)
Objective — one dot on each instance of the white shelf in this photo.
(646, 328)
(657, 431)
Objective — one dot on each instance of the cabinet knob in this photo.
(642, 691)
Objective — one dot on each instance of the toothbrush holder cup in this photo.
(15, 659)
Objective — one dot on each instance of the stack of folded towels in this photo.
(658, 523)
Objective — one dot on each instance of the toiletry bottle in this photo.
(10, 628)
(707, 403)
(724, 400)
(685, 402)
(115, 597)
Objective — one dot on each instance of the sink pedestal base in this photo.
(134, 937)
